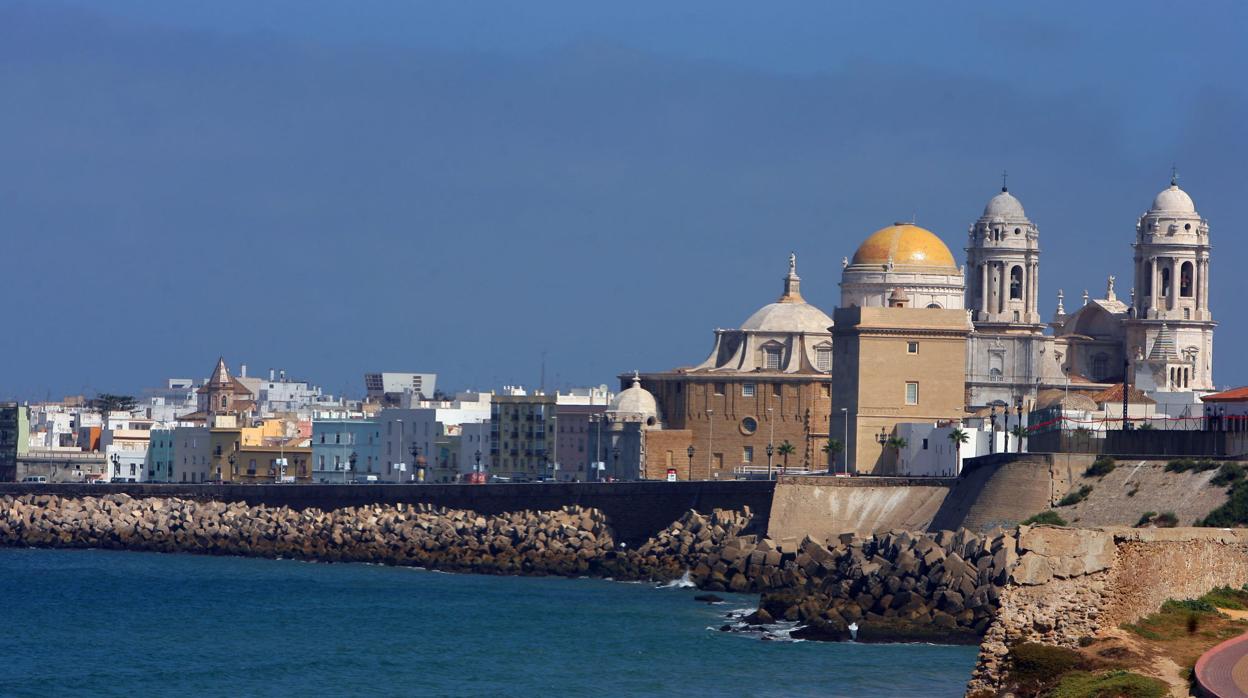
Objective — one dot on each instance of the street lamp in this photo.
(690, 451)
(351, 460)
(992, 430)
(616, 452)
(477, 467)
(1018, 409)
(770, 450)
(1006, 417)
(710, 441)
(116, 465)
(418, 470)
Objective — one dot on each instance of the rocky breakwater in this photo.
(566, 542)
(940, 587)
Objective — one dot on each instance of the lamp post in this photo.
(770, 450)
(710, 441)
(346, 474)
(476, 468)
(1018, 410)
(992, 430)
(418, 470)
(231, 461)
(116, 459)
(1006, 418)
(616, 452)
(690, 451)
(597, 420)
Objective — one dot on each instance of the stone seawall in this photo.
(1070, 584)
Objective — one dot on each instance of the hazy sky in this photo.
(458, 187)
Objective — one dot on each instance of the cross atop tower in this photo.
(1004, 178)
(1174, 176)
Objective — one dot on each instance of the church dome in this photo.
(905, 244)
(1173, 200)
(787, 316)
(635, 401)
(791, 313)
(1004, 205)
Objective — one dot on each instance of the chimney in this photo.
(242, 370)
(272, 375)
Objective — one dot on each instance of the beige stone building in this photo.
(767, 382)
(897, 360)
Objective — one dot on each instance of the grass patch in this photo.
(1049, 517)
(1100, 467)
(1075, 497)
(1033, 667)
(1228, 474)
(1145, 519)
(1113, 684)
(1183, 465)
(1226, 597)
(1166, 519)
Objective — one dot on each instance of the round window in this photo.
(1187, 226)
(749, 425)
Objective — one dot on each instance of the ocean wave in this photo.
(685, 582)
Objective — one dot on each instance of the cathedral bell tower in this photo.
(1003, 268)
(1170, 334)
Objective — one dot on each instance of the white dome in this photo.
(1004, 205)
(1173, 200)
(787, 316)
(635, 401)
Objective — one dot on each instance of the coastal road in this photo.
(1222, 672)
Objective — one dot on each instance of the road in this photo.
(1223, 671)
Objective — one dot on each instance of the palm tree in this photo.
(896, 443)
(833, 448)
(785, 449)
(958, 437)
(1019, 432)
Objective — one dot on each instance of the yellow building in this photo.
(894, 362)
(251, 454)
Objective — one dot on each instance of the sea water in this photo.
(94, 622)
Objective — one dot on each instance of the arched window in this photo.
(1185, 280)
(225, 401)
(823, 357)
(1016, 283)
(934, 305)
(994, 375)
(1165, 282)
(1100, 367)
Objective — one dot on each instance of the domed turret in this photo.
(1003, 267)
(904, 244)
(791, 313)
(906, 259)
(1004, 205)
(635, 403)
(1172, 199)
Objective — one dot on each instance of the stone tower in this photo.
(1003, 268)
(1170, 333)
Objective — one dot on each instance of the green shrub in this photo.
(1226, 597)
(1166, 519)
(1228, 474)
(1049, 517)
(1145, 519)
(1234, 512)
(1033, 667)
(1100, 467)
(1076, 496)
(1180, 465)
(1113, 684)
(1188, 606)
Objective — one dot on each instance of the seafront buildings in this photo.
(917, 346)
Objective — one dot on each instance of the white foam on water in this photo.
(685, 582)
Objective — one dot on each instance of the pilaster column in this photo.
(1172, 300)
(983, 288)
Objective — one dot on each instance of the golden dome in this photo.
(905, 245)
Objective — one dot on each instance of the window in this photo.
(749, 425)
(1016, 283)
(1187, 313)
(826, 389)
(1100, 367)
(719, 388)
(1165, 282)
(912, 393)
(1185, 280)
(994, 375)
(747, 455)
(912, 347)
(823, 357)
(747, 390)
(924, 444)
(771, 357)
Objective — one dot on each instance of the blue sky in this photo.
(334, 188)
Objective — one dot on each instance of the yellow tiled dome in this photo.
(905, 245)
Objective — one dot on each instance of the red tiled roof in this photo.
(1114, 395)
(1232, 395)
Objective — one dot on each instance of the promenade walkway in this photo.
(1222, 672)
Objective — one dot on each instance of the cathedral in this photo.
(918, 338)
